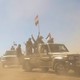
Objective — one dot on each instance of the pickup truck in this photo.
(9, 59)
(52, 56)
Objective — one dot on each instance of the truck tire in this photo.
(27, 67)
(60, 68)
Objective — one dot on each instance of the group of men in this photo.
(32, 43)
(31, 46)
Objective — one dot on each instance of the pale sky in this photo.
(59, 17)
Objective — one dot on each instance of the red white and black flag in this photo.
(36, 20)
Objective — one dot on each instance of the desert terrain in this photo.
(19, 74)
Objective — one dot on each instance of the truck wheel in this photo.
(27, 67)
(60, 68)
(45, 69)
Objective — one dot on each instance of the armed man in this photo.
(50, 38)
(19, 54)
(39, 40)
(29, 46)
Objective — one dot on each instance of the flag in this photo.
(36, 20)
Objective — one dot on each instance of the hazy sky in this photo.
(60, 17)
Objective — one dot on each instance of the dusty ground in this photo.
(19, 74)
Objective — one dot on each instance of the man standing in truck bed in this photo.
(36, 42)
(49, 38)
(29, 46)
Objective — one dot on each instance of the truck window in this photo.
(57, 48)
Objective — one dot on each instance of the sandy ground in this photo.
(19, 74)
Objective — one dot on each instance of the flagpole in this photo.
(38, 28)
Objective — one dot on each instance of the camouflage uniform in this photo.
(51, 40)
(29, 46)
(36, 42)
(19, 54)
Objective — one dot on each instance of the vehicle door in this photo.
(45, 58)
(35, 60)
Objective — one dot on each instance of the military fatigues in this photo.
(29, 47)
(19, 54)
(36, 42)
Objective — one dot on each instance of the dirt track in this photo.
(19, 74)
